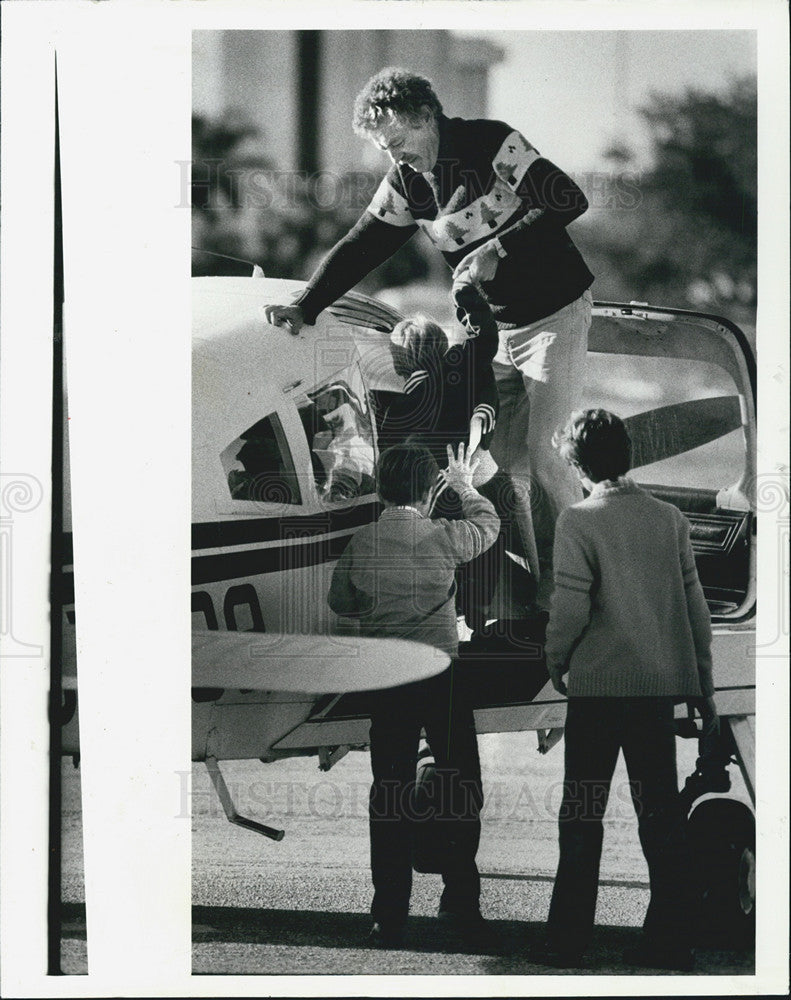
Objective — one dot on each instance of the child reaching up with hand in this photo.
(396, 578)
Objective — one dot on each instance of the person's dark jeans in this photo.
(596, 729)
(397, 717)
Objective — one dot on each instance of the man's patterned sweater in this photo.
(488, 182)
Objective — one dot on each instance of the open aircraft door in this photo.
(694, 444)
(685, 383)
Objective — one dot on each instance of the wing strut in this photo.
(213, 767)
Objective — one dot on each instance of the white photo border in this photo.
(124, 73)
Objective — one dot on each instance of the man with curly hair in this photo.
(494, 206)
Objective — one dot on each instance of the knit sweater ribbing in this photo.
(628, 614)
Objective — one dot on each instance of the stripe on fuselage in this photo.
(291, 555)
(248, 531)
(293, 552)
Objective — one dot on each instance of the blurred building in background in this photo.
(278, 175)
(298, 87)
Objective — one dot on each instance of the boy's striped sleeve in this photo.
(474, 314)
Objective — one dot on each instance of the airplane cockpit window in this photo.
(258, 465)
(337, 423)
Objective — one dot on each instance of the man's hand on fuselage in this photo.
(290, 316)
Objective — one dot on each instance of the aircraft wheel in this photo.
(722, 837)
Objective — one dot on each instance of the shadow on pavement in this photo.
(505, 949)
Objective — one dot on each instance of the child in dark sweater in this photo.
(450, 398)
(450, 395)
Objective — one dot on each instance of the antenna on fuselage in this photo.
(257, 270)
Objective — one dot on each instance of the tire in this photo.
(722, 838)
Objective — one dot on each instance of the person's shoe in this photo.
(385, 936)
(676, 959)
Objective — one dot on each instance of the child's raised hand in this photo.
(461, 468)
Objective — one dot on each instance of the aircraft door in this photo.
(684, 383)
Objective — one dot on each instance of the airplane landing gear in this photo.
(722, 836)
(224, 795)
(721, 833)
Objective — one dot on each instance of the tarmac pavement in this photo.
(300, 906)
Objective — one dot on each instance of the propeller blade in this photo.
(672, 430)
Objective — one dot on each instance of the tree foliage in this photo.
(705, 156)
(284, 221)
(690, 237)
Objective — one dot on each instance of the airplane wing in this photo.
(312, 664)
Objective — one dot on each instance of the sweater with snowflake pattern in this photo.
(488, 182)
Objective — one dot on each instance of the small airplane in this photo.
(283, 454)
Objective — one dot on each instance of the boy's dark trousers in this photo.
(596, 728)
(397, 717)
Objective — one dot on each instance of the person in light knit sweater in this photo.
(396, 578)
(630, 626)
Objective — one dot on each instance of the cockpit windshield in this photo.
(337, 422)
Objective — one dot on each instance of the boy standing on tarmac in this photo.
(396, 578)
(630, 624)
